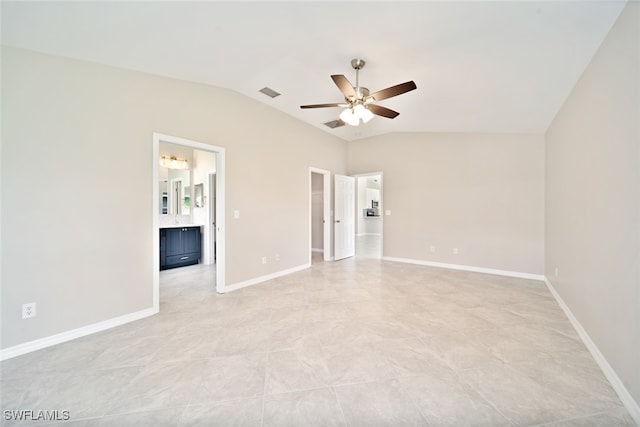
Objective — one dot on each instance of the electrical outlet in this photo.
(236, 214)
(277, 257)
(556, 272)
(455, 251)
(29, 310)
(264, 259)
(432, 249)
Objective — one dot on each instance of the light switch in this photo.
(236, 214)
(387, 212)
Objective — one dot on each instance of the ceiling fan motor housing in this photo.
(361, 93)
(358, 63)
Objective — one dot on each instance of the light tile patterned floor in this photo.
(359, 342)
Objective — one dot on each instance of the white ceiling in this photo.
(480, 66)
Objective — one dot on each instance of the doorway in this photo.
(369, 215)
(319, 215)
(219, 194)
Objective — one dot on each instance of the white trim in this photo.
(155, 223)
(41, 343)
(609, 373)
(220, 210)
(468, 268)
(326, 192)
(261, 279)
(317, 250)
(221, 203)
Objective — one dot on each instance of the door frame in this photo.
(220, 205)
(326, 193)
(212, 197)
(382, 214)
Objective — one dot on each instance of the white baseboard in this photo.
(617, 384)
(317, 250)
(41, 343)
(261, 279)
(467, 268)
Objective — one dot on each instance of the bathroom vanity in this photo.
(180, 246)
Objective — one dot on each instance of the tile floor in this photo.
(359, 342)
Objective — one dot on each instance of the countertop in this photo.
(179, 225)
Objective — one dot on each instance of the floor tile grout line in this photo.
(266, 378)
(344, 418)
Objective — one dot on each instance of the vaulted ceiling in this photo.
(480, 66)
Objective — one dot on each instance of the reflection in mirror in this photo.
(199, 199)
(186, 201)
(176, 192)
(179, 197)
(176, 187)
(164, 197)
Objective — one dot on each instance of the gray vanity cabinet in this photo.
(179, 247)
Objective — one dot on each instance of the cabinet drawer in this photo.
(180, 260)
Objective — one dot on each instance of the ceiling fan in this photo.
(359, 103)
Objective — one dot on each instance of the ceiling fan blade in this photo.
(320, 106)
(344, 85)
(382, 111)
(393, 91)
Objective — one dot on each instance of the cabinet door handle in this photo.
(184, 257)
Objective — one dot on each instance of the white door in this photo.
(345, 192)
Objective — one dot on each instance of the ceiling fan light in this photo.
(358, 110)
(349, 117)
(366, 115)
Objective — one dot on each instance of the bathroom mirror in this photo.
(185, 201)
(199, 195)
(178, 193)
(163, 187)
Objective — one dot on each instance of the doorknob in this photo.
(337, 220)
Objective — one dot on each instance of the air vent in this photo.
(269, 92)
(334, 123)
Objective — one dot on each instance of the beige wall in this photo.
(480, 193)
(593, 199)
(77, 185)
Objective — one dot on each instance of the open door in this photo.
(345, 191)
